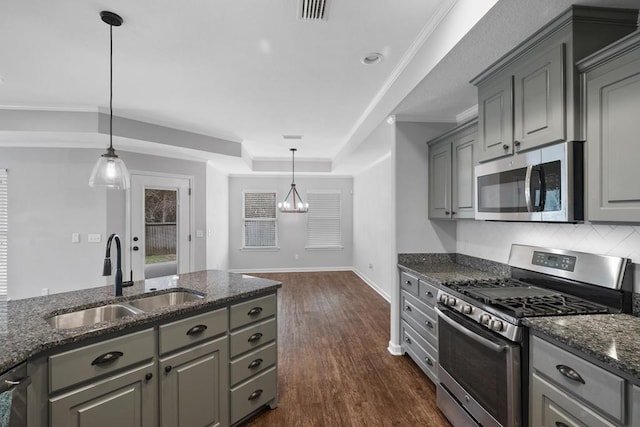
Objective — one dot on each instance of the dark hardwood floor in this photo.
(334, 368)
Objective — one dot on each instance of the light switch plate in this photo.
(199, 233)
(75, 237)
(94, 238)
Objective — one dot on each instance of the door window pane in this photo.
(161, 232)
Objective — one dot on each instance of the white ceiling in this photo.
(249, 71)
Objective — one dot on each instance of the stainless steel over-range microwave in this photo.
(543, 185)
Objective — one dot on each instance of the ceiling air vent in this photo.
(312, 10)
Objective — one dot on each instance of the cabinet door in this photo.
(463, 181)
(495, 119)
(539, 100)
(613, 145)
(440, 181)
(124, 400)
(193, 384)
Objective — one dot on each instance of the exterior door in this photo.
(159, 238)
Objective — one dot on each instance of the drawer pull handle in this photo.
(570, 373)
(429, 324)
(407, 340)
(561, 424)
(429, 294)
(255, 337)
(255, 363)
(429, 362)
(256, 394)
(107, 358)
(198, 329)
(408, 282)
(407, 308)
(255, 311)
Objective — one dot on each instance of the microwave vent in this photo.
(312, 10)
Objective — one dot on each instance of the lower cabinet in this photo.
(127, 399)
(192, 386)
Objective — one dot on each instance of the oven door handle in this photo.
(477, 338)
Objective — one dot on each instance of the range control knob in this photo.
(497, 325)
(467, 309)
(443, 298)
(451, 302)
(485, 319)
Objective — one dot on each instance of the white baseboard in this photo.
(288, 270)
(395, 349)
(373, 286)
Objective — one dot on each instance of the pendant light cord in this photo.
(111, 86)
(293, 167)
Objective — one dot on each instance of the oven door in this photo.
(480, 369)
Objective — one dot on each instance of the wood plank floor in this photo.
(334, 367)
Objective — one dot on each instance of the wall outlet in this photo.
(75, 237)
(45, 291)
(94, 238)
(296, 256)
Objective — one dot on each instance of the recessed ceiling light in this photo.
(372, 58)
(391, 119)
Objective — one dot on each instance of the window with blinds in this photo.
(4, 233)
(260, 226)
(324, 228)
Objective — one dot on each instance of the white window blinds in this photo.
(324, 228)
(4, 232)
(260, 227)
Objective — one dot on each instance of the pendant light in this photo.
(110, 171)
(295, 205)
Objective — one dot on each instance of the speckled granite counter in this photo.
(438, 268)
(609, 338)
(24, 332)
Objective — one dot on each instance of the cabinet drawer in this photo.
(421, 317)
(409, 283)
(98, 359)
(428, 293)
(252, 311)
(601, 389)
(253, 336)
(253, 394)
(252, 363)
(423, 353)
(192, 330)
(552, 407)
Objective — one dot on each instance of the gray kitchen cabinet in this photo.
(193, 386)
(530, 97)
(569, 390)
(253, 357)
(419, 325)
(127, 399)
(451, 179)
(612, 85)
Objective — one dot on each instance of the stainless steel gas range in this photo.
(483, 345)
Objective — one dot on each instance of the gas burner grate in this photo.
(547, 305)
(466, 286)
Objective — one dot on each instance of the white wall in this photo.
(415, 232)
(492, 240)
(291, 227)
(217, 219)
(49, 198)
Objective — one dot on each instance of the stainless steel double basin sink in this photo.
(115, 311)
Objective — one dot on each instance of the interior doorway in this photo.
(160, 239)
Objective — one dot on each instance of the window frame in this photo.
(244, 246)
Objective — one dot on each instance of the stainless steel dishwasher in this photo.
(13, 397)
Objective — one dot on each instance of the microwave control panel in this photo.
(560, 262)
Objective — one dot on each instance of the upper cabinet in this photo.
(531, 97)
(451, 180)
(611, 80)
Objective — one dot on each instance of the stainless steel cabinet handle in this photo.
(255, 337)
(107, 358)
(570, 373)
(498, 348)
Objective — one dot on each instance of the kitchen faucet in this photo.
(106, 268)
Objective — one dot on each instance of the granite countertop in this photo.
(24, 331)
(439, 268)
(605, 337)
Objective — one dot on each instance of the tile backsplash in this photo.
(492, 240)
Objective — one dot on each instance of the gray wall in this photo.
(291, 227)
(217, 219)
(49, 199)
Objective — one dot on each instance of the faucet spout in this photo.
(106, 268)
